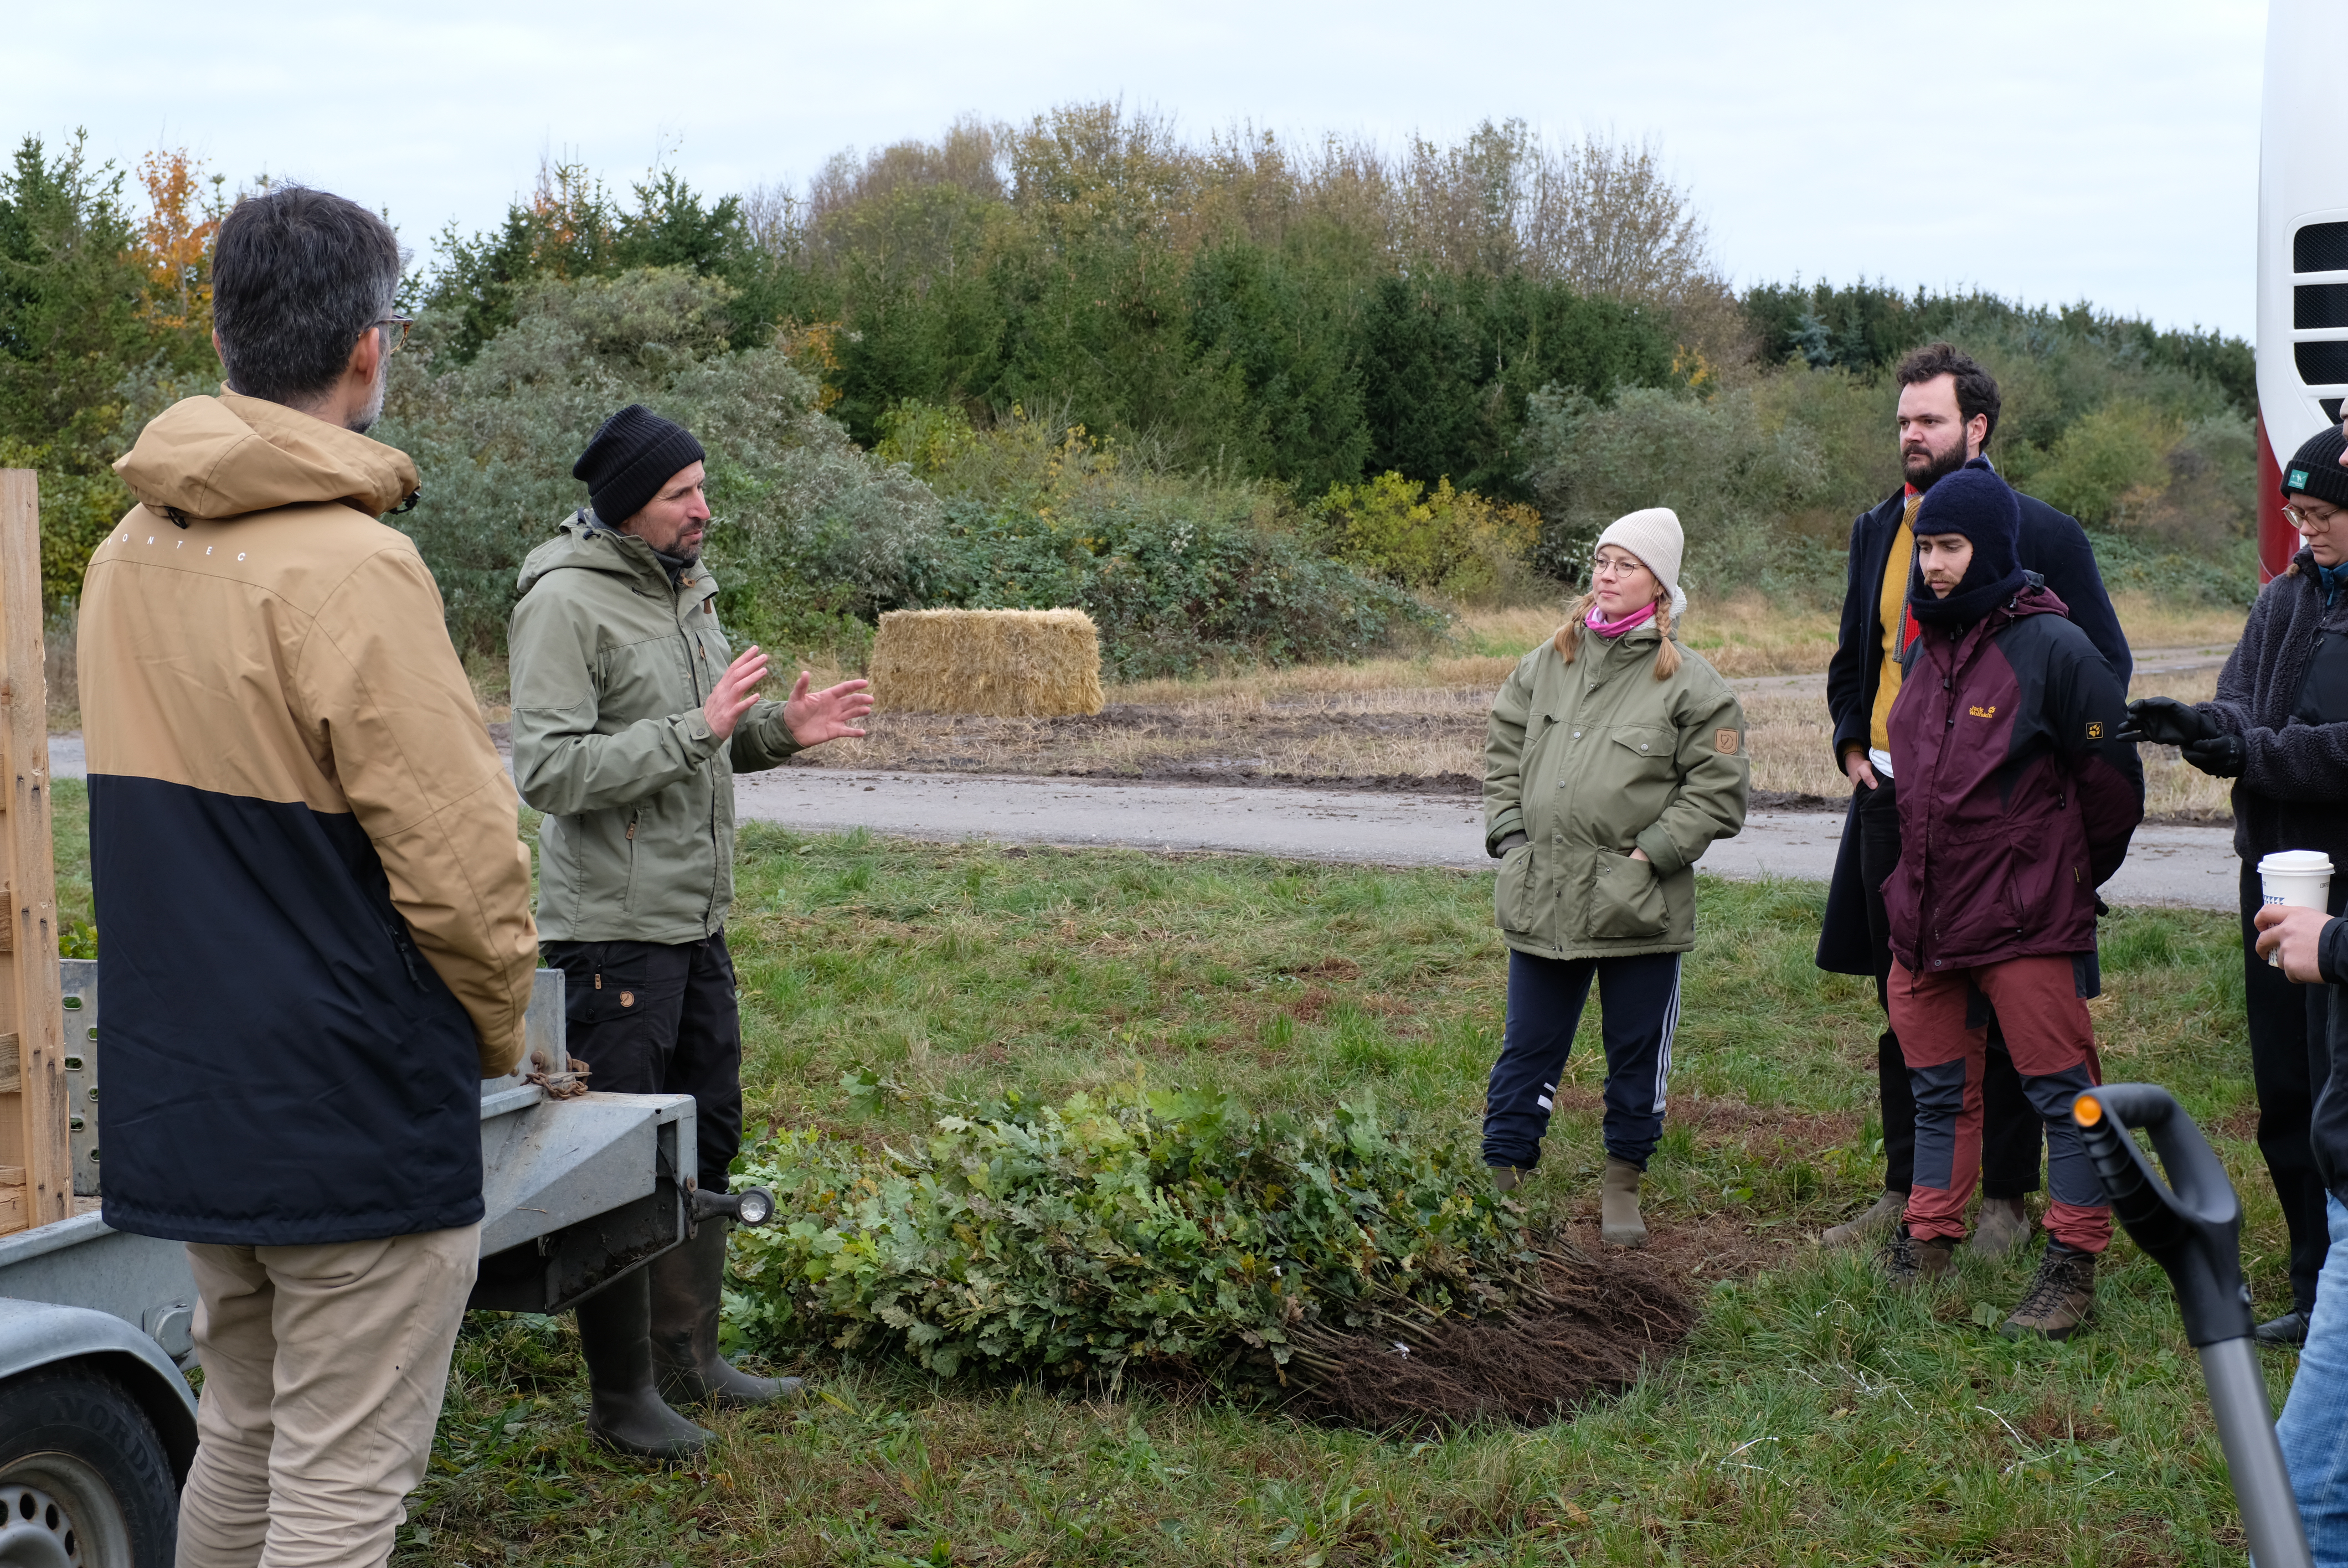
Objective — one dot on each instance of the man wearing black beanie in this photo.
(2016, 802)
(631, 714)
(1947, 413)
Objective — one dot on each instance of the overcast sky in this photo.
(2047, 149)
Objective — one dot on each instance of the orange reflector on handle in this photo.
(2086, 1110)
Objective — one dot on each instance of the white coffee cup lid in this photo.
(2297, 862)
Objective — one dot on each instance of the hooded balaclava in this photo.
(1974, 502)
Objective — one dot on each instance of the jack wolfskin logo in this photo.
(1980, 713)
(2095, 731)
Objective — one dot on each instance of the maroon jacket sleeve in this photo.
(2085, 705)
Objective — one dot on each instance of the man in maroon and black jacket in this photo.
(2016, 800)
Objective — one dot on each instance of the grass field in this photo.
(1810, 1419)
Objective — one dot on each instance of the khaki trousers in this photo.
(323, 1369)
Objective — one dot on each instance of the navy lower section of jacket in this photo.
(280, 1066)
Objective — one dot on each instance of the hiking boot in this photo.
(1910, 1262)
(2060, 1297)
(1880, 1217)
(2288, 1331)
(1619, 1224)
(2001, 1228)
(1506, 1179)
(626, 1412)
(687, 1282)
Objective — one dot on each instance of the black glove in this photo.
(2220, 756)
(1510, 842)
(2165, 722)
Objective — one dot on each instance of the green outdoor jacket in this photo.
(609, 667)
(1592, 760)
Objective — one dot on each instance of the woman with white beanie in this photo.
(1614, 757)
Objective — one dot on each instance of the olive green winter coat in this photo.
(1592, 760)
(609, 666)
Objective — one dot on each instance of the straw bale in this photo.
(1009, 663)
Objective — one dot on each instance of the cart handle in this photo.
(2193, 1229)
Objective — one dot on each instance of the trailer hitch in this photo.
(2191, 1226)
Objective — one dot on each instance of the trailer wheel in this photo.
(85, 1481)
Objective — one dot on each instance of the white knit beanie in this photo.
(1653, 536)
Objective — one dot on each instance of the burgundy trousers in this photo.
(1944, 1035)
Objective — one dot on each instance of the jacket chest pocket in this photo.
(1643, 751)
(710, 651)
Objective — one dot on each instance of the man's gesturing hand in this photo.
(736, 693)
(830, 714)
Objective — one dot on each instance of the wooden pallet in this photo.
(36, 1147)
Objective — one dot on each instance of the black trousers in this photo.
(653, 1017)
(2011, 1132)
(2287, 1023)
(1638, 1002)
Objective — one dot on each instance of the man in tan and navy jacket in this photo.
(312, 898)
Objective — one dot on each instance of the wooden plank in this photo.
(30, 1004)
(11, 1082)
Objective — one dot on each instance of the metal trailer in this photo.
(97, 1425)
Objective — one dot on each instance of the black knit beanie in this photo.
(631, 456)
(2314, 469)
(1974, 502)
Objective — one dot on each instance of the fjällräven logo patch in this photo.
(1726, 742)
(2096, 731)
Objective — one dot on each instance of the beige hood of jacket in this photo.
(227, 456)
(253, 630)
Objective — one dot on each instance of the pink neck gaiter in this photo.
(1617, 628)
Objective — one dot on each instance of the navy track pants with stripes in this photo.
(1639, 1008)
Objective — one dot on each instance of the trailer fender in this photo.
(37, 1334)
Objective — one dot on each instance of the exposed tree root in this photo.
(1585, 1335)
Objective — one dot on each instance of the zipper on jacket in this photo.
(405, 946)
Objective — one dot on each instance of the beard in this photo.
(1923, 471)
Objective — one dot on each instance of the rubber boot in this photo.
(1880, 1217)
(1619, 1224)
(686, 1283)
(2002, 1227)
(1506, 1179)
(626, 1413)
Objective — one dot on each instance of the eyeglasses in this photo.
(2307, 522)
(1615, 566)
(393, 339)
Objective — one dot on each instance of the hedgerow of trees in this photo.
(1243, 398)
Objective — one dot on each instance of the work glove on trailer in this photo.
(2165, 722)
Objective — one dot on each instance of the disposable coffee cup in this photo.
(2296, 879)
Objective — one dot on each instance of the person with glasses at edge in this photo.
(2278, 728)
(306, 858)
